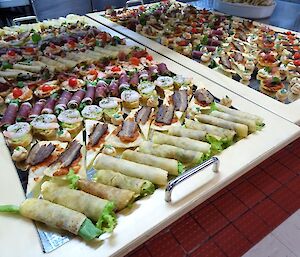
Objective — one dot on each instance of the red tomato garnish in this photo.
(17, 92)
(134, 61)
(149, 58)
(297, 62)
(142, 8)
(115, 69)
(72, 43)
(289, 33)
(93, 72)
(52, 45)
(297, 55)
(72, 82)
(182, 43)
(194, 24)
(29, 49)
(296, 48)
(11, 53)
(202, 20)
(46, 88)
(194, 30)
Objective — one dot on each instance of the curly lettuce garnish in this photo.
(147, 189)
(88, 231)
(180, 168)
(73, 179)
(107, 220)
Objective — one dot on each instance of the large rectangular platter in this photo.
(288, 111)
(19, 237)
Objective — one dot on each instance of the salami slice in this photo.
(10, 115)
(63, 101)
(89, 95)
(24, 111)
(76, 99)
(49, 106)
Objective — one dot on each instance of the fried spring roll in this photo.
(172, 152)
(56, 216)
(141, 187)
(185, 132)
(93, 207)
(170, 165)
(181, 142)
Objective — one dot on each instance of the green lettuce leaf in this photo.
(216, 144)
(180, 168)
(147, 189)
(88, 231)
(107, 220)
(73, 179)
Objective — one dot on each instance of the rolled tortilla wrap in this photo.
(141, 187)
(55, 215)
(93, 207)
(222, 108)
(210, 129)
(170, 165)
(52, 214)
(121, 197)
(225, 116)
(240, 129)
(172, 152)
(185, 132)
(155, 175)
(181, 142)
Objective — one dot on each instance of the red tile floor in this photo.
(236, 218)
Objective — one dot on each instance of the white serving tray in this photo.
(288, 111)
(19, 237)
(244, 10)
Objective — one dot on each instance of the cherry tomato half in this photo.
(72, 82)
(46, 88)
(134, 61)
(17, 92)
(297, 55)
(93, 72)
(297, 62)
(149, 58)
(29, 49)
(115, 69)
(11, 53)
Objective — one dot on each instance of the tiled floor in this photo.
(239, 216)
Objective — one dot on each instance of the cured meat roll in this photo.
(37, 108)
(162, 69)
(181, 142)
(141, 187)
(10, 115)
(155, 175)
(89, 95)
(56, 216)
(49, 106)
(101, 90)
(113, 88)
(172, 152)
(170, 165)
(24, 111)
(76, 99)
(240, 129)
(185, 132)
(91, 206)
(63, 101)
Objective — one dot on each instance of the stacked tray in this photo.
(285, 108)
(151, 214)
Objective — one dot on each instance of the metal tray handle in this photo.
(129, 2)
(171, 185)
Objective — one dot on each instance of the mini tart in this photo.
(147, 90)
(165, 82)
(66, 85)
(27, 95)
(281, 95)
(267, 88)
(114, 71)
(47, 89)
(131, 99)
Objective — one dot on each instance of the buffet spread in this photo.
(100, 125)
(260, 57)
